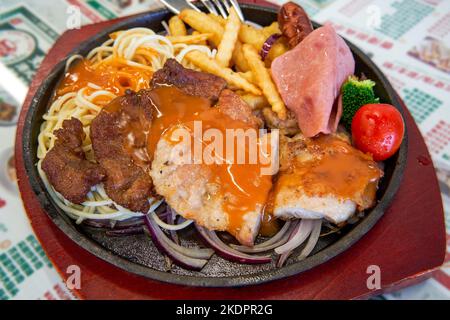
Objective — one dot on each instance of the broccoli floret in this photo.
(355, 94)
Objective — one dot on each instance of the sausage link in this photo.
(294, 23)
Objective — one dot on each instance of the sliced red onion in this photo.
(170, 227)
(171, 220)
(283, 257)
(197, 253)
(113, 224)
(101, 224)
(133, 222)
(268, 45)
(189, 258)
(312, 241)
(280, 238)
(298, 238)
(125, 232)
(211, 238)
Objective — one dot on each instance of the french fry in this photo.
(190, 39)
(250, 35)
(264, 80)
(238, 57)
(255, 102)
(218, 19)
(248, 30)
(248, 76)
(195, 33)
(203, 23)
(210, 65)
(272, 29)
(229, 38)
(278, 49)
(177, 27)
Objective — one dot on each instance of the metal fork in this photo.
(217, 7)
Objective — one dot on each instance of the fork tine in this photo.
(221, 8)
(227, 5)
(236, 7)
(217, 7)
(174, 6)
(190, 4)
(210, 6)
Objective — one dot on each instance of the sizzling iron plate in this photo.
(137, 254)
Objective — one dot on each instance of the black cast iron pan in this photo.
(136, 253)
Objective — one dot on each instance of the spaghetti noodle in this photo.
(125, 61)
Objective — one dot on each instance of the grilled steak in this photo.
(66, 166)
(191, 82)
(119, 143)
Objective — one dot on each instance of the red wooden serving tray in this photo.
(407, 243)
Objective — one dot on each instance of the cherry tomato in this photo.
(378, 129)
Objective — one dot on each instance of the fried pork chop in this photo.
(234, 107)
(323, 177)
(195, 83)
(191, 189)
(66, 166)
(118, 135)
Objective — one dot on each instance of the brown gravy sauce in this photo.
(341, 170)
(336, 168)
(242, 186)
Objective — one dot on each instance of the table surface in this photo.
(410, 250)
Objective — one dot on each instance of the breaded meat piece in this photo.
(233, 106)
(119, 143)
(191, 189)
(66, 166)
(191, 82)
(288, 126)
(323, 177)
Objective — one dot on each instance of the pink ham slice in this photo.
(309, 78)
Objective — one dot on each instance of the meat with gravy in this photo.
(323, 177)
(189, 188)
(119, 144)
(66, 166)
(191, 82)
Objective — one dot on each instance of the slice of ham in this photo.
(309, 78)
